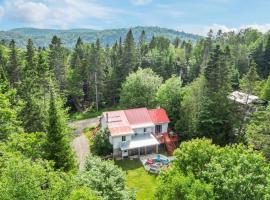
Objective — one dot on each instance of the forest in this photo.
(224, 150)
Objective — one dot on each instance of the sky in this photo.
(193, 16)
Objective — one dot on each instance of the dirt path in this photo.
(80, 143)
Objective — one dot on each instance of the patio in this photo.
(161, 160)
(140, 144)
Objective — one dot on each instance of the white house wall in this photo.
(164, 127)
(141, 130)
(103, 122)
(117, 140)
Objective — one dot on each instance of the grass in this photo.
(84, 115)
(91, 113)
(138, 179)
(88, 131)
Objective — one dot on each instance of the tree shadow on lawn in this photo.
(127, 164)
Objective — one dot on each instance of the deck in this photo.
(169, 141)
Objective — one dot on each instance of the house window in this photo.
(123, 138)
(158, 128)
(144, 130)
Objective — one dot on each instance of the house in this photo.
(135, 131)
(249, 103)
(243, 98)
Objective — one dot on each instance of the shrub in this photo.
(100, 144)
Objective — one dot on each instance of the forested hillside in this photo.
(42, 37)
(40, 86)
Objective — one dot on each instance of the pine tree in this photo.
(114, 83)
(207, 49)
(3, 62)
(257, 56)
(250, 79)
(30, 54)
(129, 58)
(266, 59)
(77, 76)
(142, 47)
(216, 71)
(57, 62)
(33, 112)
(13, 66)
(58, 147)
(216, 117)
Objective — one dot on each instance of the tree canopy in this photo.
(140, 88)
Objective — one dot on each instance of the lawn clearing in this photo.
(138, 179)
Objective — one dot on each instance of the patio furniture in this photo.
(149, 161)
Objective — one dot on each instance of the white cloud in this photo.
(52, 13)
(27, 11)
(204, 29)
(140, 2)
(261, 27)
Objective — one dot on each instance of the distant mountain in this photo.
(42, 37)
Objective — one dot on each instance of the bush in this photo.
(174, 185)
(83, 193)
(100, 144)
(25, 179)
(105, 179)
(234, 172)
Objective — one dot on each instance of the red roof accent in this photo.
(122, 130)
(138, 117)
(122, 122)
(159, 115)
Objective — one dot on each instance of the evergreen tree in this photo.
(142, 47)
(266, 59)
(13, 66)
(248, 83)
(216, 119)
(207, 46)
(3, 63)
(33, 113)
(57, 62)
(30, 54)
(257, 56)
(77, 76)
(58, 147)
(129, 58)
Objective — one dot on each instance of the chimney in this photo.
(107, 117)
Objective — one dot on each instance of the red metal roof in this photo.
(122, 130)
(159, 115)
(138, 117)
(122, 122)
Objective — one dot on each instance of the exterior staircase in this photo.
(169, 142)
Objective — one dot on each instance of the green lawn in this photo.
(138, 179)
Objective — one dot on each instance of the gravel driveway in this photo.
(80, 143)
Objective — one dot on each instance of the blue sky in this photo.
(196, 16)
